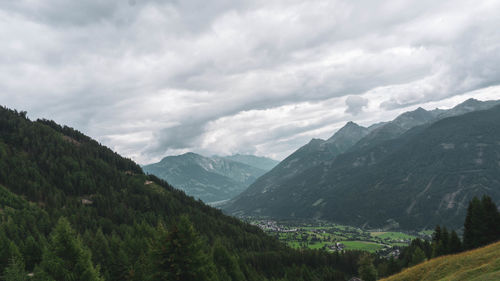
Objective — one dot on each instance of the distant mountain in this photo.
(420, 116)
(467, 106)
(397, 127)
(209, 179)
(414, 172)
(262, 163)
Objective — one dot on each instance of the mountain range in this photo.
(211, 179)
(419, 170)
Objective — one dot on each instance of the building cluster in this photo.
(269, 225)
(337, 247)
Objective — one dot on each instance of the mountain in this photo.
(69, 205)
(480, 264)
(262, 163)
(209, 179)
(397, 127)
(467, 106)
(309, 155)
(424, 177)
(420, 116)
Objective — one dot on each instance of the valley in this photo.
(336, 237)
(145, 140)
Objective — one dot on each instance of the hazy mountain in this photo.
(397, 127)
(421, 178)
(310, 155)
(210, 179)
(262, 163)
(467, 106)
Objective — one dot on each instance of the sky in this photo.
(152, 78)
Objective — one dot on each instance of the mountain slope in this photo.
(48, 172)
(308, 156)
(423, 178)
(482, 264)
(209, 179)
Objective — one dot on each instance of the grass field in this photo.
(392, 235)
(362, 245)
(482, 264)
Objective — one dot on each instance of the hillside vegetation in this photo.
(479, 264)
(72, 209)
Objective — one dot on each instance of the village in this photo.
(334, 237)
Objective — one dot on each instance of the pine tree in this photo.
(472, 225)
(15, 271)
(66, 257)
(444, 243)
(455, 245)
(32, 252)
(178, 255)
(482, 223)
(367, 270)
(491, 220)
(226, 263)
(417, 257)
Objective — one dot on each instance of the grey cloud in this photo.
(89, 63)
(355, 104)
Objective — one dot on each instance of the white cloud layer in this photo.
(150, 78)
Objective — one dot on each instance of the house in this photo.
(86, 201)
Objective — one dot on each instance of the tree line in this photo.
(481, 227)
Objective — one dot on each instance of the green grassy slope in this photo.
(480, 264)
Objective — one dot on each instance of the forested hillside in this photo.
(71, 209)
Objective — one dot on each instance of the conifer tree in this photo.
(367, 270)
(178, 255)
(32, 252)
(417, 257)
(455, 245)
(15, 271)
(226, 263)
(472, 225)
(66, 257)
(482, 223)
(491, 220)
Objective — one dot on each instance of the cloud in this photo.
(151, 78)
(355, 104)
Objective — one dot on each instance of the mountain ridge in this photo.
(364, 166)
(210, 179)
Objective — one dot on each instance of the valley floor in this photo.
(335, 237)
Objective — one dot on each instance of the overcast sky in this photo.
(150, 78)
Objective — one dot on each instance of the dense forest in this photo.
(71, 209)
